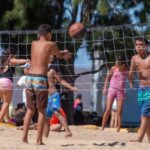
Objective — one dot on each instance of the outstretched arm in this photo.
(68, 85)
(57, 77)
(60, 54)
(15, 61)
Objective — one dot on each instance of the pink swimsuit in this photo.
(117, 85)
(5, 84)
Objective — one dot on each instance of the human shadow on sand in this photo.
(109, 144)
(65, 145)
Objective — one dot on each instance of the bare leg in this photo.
(47, 128)
(143, 128)
(107, 112)
(26, 124)
(119, 113)
(40, 126)
(148, 130)
(20, 128)
(7, 117)
(6, 96)
(56, 127)
(4, 110)
(116, 122)
(32, 127)
(63, 121)
(112, 121)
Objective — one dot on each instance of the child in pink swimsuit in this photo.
(8, 63)
(117, 77)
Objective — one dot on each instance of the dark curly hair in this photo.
(6, 55)
(121, 60)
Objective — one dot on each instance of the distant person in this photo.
(37, 82)
(54, 101)
(19, 114)
(55, 124)
(8, 62)
(140, 63)
(78, 105)
(117, 76)
(78, 110)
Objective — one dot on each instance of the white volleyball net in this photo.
(93, 54)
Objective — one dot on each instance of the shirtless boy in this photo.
(140, 63)
(37, 82)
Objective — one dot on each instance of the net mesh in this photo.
(99, 48)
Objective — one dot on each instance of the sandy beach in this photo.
(84, 138)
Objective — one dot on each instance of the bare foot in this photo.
(25, 141)
(118, 130)
(19, 128)
(30, 128)
(33, 127)
(102, 129)
(40, 143)
(68, 134)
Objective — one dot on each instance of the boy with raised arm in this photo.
(37, 82)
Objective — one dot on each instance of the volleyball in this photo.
(77, 30)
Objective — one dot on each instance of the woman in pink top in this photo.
(117, 77)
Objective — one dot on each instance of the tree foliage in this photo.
(27, 14)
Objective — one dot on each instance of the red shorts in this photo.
(54, 119)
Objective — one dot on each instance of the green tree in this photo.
(26, 14)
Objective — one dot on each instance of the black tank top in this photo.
(9, 73)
